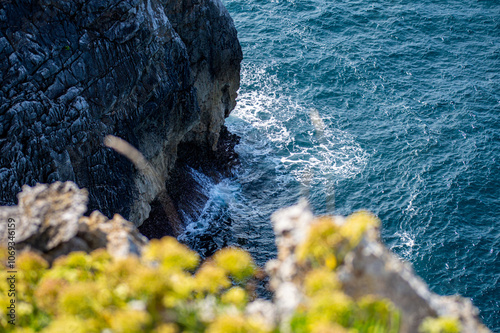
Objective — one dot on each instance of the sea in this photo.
(386, 105)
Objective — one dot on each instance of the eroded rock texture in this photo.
(369, 269)
(214, 76)
(152, 72)
(372, 270)
(49, 220)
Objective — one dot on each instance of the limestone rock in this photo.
(369, 269)
(372, 269)
(120, 237)
(46, 216)
(290, 227)
(49, 220)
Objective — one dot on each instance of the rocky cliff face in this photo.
(152, 72)
(203, 26)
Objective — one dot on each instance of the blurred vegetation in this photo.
(328, 308)
(440, 325)
(169, 290)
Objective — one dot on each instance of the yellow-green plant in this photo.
(327, 308)
(169, 290)
(162, 291)
(328, 243)
(440, 325)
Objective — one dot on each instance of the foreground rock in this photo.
(153, 72)
(49, 220)
(372, 269)
(368, 269)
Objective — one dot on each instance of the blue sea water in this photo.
(409, 92)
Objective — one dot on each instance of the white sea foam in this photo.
(219, 195)
(276, 125)
(406, 245)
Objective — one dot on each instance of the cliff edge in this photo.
(153, 72)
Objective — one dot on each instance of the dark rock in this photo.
(154, 73)
(214, 59)
(187, 194)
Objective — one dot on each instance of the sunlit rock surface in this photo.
(369, 269)
(49, 220)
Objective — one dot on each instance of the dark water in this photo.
(409, 92)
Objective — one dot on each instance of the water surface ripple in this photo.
(410, 95)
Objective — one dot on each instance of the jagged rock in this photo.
(369, 269)
(290, 228)
(46, 216)
(199, 24)
(372, 269)
(73, 71)
(49, 220)
(120, 237)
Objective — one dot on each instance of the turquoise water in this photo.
(409, 92)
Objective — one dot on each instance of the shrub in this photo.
(167, 290)
(440, 325)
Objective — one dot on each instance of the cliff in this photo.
(162, 75)
(153, 72)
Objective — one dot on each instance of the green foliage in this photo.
(440, 325)
(236, 262)
(160, 292)
(328, 308)
(328, 243)
(167, 290)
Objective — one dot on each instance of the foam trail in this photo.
(318, 123)
(329, 185)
